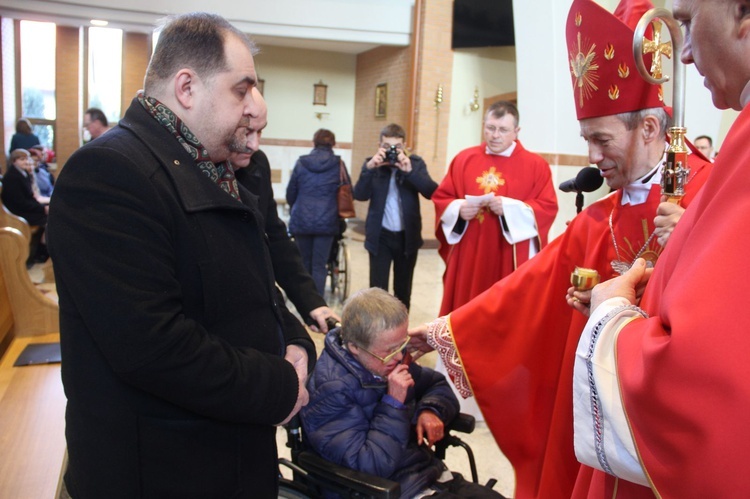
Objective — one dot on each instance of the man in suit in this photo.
(392, 181)
(178, 358)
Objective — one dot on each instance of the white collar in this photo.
(637, 192)
(745, 95)
(506, 153)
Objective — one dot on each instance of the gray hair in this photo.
(632, 119)
(195, 40)
(368, 313)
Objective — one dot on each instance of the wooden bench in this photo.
(32, 400)
(33, 311)
(8, 219)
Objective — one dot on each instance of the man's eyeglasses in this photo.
(400, 350)
(502, 131)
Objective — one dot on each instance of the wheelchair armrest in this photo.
(364, 483)
(463, 423)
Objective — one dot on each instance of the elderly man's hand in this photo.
(630, 285)
(297, 356)
(418, 345)
(430, 428)
(667, 216)
(579, 300)
(319, 315)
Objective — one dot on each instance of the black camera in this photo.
(391, 155)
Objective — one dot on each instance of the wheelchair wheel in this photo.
(339, 273)
(344, 275)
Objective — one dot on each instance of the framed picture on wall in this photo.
(381, 100)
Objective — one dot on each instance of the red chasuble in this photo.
(517, 341)
(685, 371)
(483, 256)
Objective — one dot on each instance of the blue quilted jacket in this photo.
(350, 421)
(311, 194)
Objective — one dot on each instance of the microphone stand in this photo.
(579, 201)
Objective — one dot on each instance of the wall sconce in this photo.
(321, 115)
(474, 104)
(320, 94)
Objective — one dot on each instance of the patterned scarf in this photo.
(220, 173)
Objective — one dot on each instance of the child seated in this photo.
(371, 411)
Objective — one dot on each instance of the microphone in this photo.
(588, 180)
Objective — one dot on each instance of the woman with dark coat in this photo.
(24, 138)
(311, 195)
(18, 196)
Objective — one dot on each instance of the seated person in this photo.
(19, 197)
(45, 182)
(372, 412)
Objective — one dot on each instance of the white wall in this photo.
(493, 71)
(289, 76)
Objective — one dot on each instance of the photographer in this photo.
(392, 180)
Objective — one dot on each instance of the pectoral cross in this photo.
(656, 48)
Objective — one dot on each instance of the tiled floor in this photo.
(426, 296)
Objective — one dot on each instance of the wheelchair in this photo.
(338, 270)
(313, 476)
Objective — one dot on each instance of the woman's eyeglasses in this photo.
(400, 350)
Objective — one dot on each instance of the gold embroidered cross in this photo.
(656, 48)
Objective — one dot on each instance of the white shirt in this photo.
(392, 217)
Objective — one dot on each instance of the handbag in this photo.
(344, 196)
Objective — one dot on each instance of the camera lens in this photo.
(391, 155)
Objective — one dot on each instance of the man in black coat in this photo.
(392, 180)
(253, 172)
(178, 357)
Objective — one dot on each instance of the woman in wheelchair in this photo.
(372, 411)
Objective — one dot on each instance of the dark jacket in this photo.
(171, 330)
(287, 263)
(18, 197)
(348, 421)
(23, 141)
(311, 194)
(373, 185)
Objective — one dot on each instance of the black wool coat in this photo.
(171, 329)
(287, 262)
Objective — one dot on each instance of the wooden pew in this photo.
(33, 312)
(8, 219)
(32, 400)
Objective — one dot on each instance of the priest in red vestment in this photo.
(494, 209)
(514, 346)
(676, 370)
